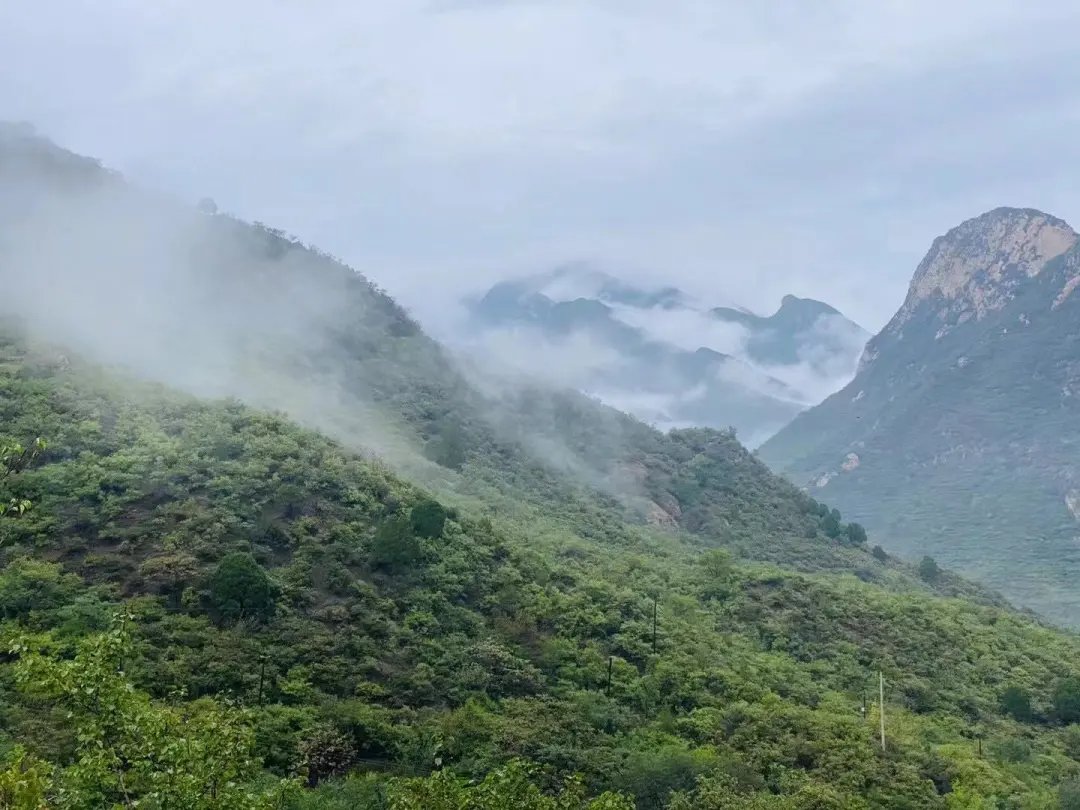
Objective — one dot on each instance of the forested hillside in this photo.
(309, 562)
(261, 564)
(218, 307)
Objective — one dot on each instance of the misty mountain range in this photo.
(954, 439)
(661, 354)
(296, 503)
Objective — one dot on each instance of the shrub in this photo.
(929, 570)
(428, 519)
(1066, 700)
(240, 589)
(1016, 703)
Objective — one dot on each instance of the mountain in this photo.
(802, 330)
(331, 549)
(658, 355)
(956, 438)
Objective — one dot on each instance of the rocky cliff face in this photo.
(977, 267)
(964, 416)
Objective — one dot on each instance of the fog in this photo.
(197, 301)
(200, 301)
(94, 269)
(659, 353)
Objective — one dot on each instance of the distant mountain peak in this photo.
(794, 303)
(663, 355)
(975, 267)
(574, 280)
(790, 306)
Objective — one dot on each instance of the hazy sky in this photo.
(738, 149)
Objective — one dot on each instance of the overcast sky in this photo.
(740, 150)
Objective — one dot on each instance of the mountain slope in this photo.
(218, 307)
(499, 603)
(475, 641)
(658, 355)
(955, 438)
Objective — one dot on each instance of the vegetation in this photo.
(301, 607)
(965, 432)
(14, 458)
(532, 601)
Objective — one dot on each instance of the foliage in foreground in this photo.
(128, 750)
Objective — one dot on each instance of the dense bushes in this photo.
(339, 619)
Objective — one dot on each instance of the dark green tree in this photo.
(856, 534)
(428, 518)
(241, 589)
(448, 448)
(830, 524)
(395, 547)
(880, 554)
(1069, 795)
(1066, 700)
(1016, 703)
(929, 570)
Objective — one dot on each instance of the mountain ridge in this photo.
(645, 348)
(958, 422)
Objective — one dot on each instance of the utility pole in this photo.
(262, 676)
(610, 662)
(881, 706)
(654, 624)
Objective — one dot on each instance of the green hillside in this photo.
(470, 641)
(387, 582)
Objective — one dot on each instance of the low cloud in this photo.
(828, 354)
(686, 328)
(575, 360)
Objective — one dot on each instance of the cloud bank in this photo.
(750, 149)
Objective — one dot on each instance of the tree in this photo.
(1070, 740)
(928, 570)
(1016, 703)
(856, 534)
(395, 546)
(717, 570)
(129, 750)
(448, 448)
(325, 752)
(880, 554)
(1069, 795)
(716, 563)
(241, 589)
(14, 458)
(1066, 700)
(830, 524)
(428, 518)
(25, 782)
(513, 785)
